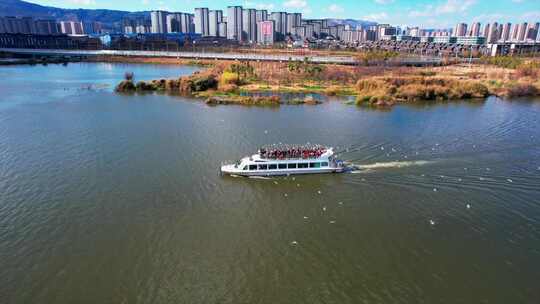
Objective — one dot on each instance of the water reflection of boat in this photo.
(287, 160)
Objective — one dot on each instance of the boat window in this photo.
(324, 164)
(283, 166)
(314, 165)
(303, 165)
(252, 167)
(272, 166)
(263, 167)
(292, 166)
(245, 168)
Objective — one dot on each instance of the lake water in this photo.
(108, 198)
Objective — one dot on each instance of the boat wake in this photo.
(387, 165)
(260, 177)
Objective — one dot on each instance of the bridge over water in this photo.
(343, 60)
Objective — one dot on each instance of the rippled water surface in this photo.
(107, 198)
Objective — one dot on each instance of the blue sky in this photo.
(438, 13)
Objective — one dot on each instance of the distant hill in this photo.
(107, 17)
(351, 22)
(23, 8)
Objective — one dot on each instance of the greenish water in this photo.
(108, 198)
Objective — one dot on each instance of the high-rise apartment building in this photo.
(249, 25)
(143, 26)
(413, 32)
(159, 22)
(385, 30)
(280, 22)
(293, 20)
(47, 27)
(173, 23)
(317, 26)
(310, 30)
(485, 31)
(13, 25)
(532, 31)
(261, 15)
(505, 33)
(201, 20)
(215, 18)
(515, 32)
(180, 23)
(475, 29)
(28, 25)
(266, 32)
(522, 30)
(71, 28)
(460, 30)
(91, 27)
(234, 23)
(493, 34)
(222, 29)
(186, 23)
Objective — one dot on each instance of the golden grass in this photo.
(371, 85)
(391, 90)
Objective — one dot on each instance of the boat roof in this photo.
(284, 147)
(328, 152)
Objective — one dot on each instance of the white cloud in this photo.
(298, 5)
(259, 5)
(334, 8)
(163, 6)
(83, 2)
(295, 3)
(376, 16)
(489, 17)
(454, 6)
(532, 16)
(448, 7)
(425, 12)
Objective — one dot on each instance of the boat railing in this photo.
(292, 153)
(291, 158)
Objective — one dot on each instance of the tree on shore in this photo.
(129, 76)
(243, 70)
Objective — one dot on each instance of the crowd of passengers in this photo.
(293, 153)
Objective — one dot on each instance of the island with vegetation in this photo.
(372, 82)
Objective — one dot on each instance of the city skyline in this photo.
(427, 14)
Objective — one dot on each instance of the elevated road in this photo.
(188, 55)
(342, 60)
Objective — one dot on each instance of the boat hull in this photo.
(230, 170)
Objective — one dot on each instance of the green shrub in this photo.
(125, 86)
(203, 83)
(503, 61)
(427, 73)
(229, 78)
(522, 90)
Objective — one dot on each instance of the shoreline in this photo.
(150, 60)
(236, 82)
(242, 82)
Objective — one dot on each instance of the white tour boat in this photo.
(287, 160)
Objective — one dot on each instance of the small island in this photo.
(373, 82)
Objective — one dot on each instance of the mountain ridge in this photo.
(21, 8)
